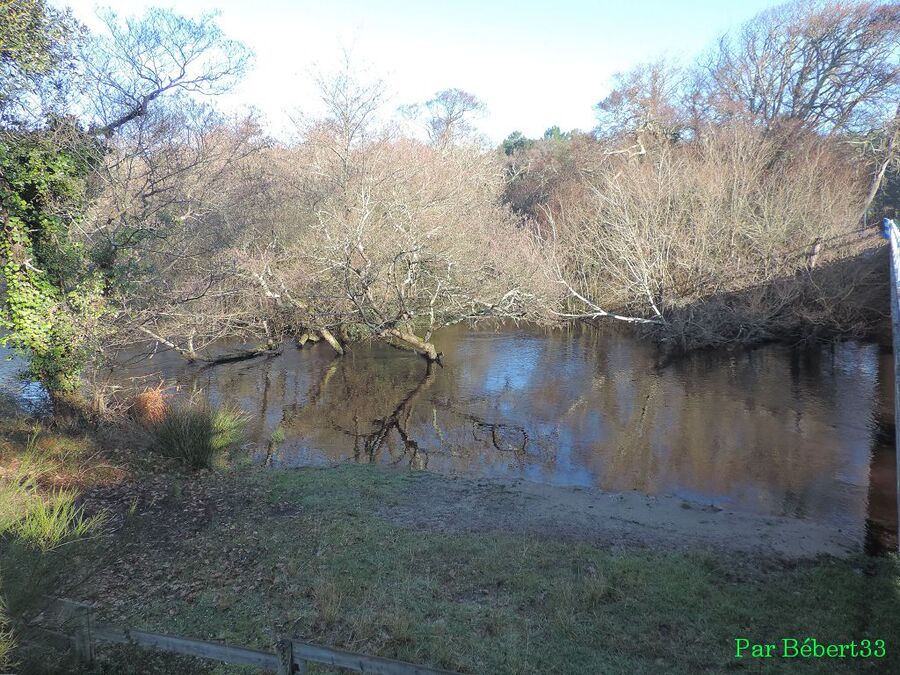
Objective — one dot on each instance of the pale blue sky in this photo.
(535, 64)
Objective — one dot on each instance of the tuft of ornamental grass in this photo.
(198, 434)
(150, 406)
(54, 519)
(42, 521)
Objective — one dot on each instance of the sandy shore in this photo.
(594, 516)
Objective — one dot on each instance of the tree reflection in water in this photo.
(377, 412)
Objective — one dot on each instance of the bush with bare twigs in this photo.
(724, 239)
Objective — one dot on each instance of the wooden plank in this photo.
(46, 637)
(298, 653)
(359, 663)
(207, 650)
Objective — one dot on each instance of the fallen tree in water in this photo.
(382, 236)
(355, 232)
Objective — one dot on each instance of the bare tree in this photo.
(448, 115)
(410, 239)
(163, 227)
(816, 65)
(170, 227)
(644, 106)
(351, 107)
(136, 61)
(881, 149)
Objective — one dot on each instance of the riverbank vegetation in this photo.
(723, 199)
(719, 201)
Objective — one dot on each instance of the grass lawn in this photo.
(249, 554)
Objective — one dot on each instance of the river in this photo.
(805, 432)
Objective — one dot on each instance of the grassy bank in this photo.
(245, 555)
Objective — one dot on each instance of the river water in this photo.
(802, 432)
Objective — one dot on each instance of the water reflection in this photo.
(18, 390)
(775, 430)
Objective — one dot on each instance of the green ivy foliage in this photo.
(53, 301)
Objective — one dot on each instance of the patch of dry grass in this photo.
(150, 406)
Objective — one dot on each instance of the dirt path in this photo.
(612, 519)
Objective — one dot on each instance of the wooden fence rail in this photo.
(291, 656)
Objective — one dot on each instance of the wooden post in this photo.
(285, 650)
(83, 642)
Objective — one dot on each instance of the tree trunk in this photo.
(876, 185)
(187, 354)
(418, 345)
(889, 157)
(234, 357)
(307, 337)
(330, 339)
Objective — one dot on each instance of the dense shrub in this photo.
(724, 239)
